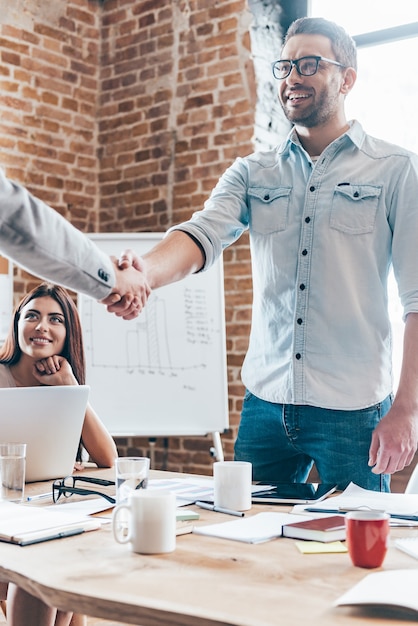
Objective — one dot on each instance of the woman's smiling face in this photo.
(41, 328)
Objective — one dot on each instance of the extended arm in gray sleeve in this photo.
(47, 245)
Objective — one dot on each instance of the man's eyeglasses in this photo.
(67, 487)
(305, 66)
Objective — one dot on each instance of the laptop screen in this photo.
(49, 420)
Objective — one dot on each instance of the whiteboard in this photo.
(164, 373)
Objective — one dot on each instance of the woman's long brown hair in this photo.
(73, 349)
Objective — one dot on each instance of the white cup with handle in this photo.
(147, 521)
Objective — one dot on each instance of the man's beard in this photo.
(317, 115)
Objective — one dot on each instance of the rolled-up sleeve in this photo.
(225, 214)
(403, 219)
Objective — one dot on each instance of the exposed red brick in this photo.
(123, 124)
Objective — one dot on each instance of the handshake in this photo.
(173, 258)
(131, 290)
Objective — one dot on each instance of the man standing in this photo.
(328, 211)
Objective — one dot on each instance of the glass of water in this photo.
(131, 474)
(12, 471)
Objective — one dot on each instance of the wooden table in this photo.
(205, 582)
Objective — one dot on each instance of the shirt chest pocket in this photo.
(354, 208)
(269, 209)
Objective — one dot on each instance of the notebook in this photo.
(49, 420)
(25, 525)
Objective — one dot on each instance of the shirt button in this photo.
(103, 275)
(298, 356)
(312, 188)
(302, 287)
(307, 220)
(304, 252)
(299, 321)
(356, 194)
(267, 197)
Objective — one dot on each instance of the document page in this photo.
(392, 588)
(256, 529)
(23, 524)
(400, 505)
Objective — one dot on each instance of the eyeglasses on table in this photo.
(67, 487)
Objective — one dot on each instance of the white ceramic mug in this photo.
(150, 517)
(232, 484)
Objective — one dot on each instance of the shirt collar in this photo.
(355, 134)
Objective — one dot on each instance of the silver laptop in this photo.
(49, 420)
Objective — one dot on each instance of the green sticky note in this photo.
(186, 515)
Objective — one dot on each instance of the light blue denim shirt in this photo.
(322, 239)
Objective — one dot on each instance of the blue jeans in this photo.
(282, 441)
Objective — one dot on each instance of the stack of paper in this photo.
(256, 529)
(399, 505)
(24, 525)
(190, 490)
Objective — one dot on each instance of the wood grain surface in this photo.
(205, 582)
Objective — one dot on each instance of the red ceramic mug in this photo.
(367, 534)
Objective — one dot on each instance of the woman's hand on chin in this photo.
(54, 370)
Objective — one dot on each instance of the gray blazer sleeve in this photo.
(47, 245)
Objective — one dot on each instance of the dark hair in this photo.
(342, 44)
(73, 349)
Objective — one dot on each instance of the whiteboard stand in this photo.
(152, 442)
(216, 450)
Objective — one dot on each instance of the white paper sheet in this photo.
(255, 529)
(396, 588)
(355, 497)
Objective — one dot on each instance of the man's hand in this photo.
(129, 258)
(131, 291)
(395, 438)
(171, 259)
(394, 442)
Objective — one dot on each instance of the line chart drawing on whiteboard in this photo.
(164, 372)
(145, 345)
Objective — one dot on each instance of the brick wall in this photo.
(122, 115)
(176, 107)
(49, 82)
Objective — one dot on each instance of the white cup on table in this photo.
(151, 521)
(232, 485)
(12, 471)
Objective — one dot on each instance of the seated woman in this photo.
(45, 347)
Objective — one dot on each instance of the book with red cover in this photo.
(325, 529)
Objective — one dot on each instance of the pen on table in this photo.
(314, 510)
(218, 509)
(342, 511)
(39, 496)
(60, 535)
